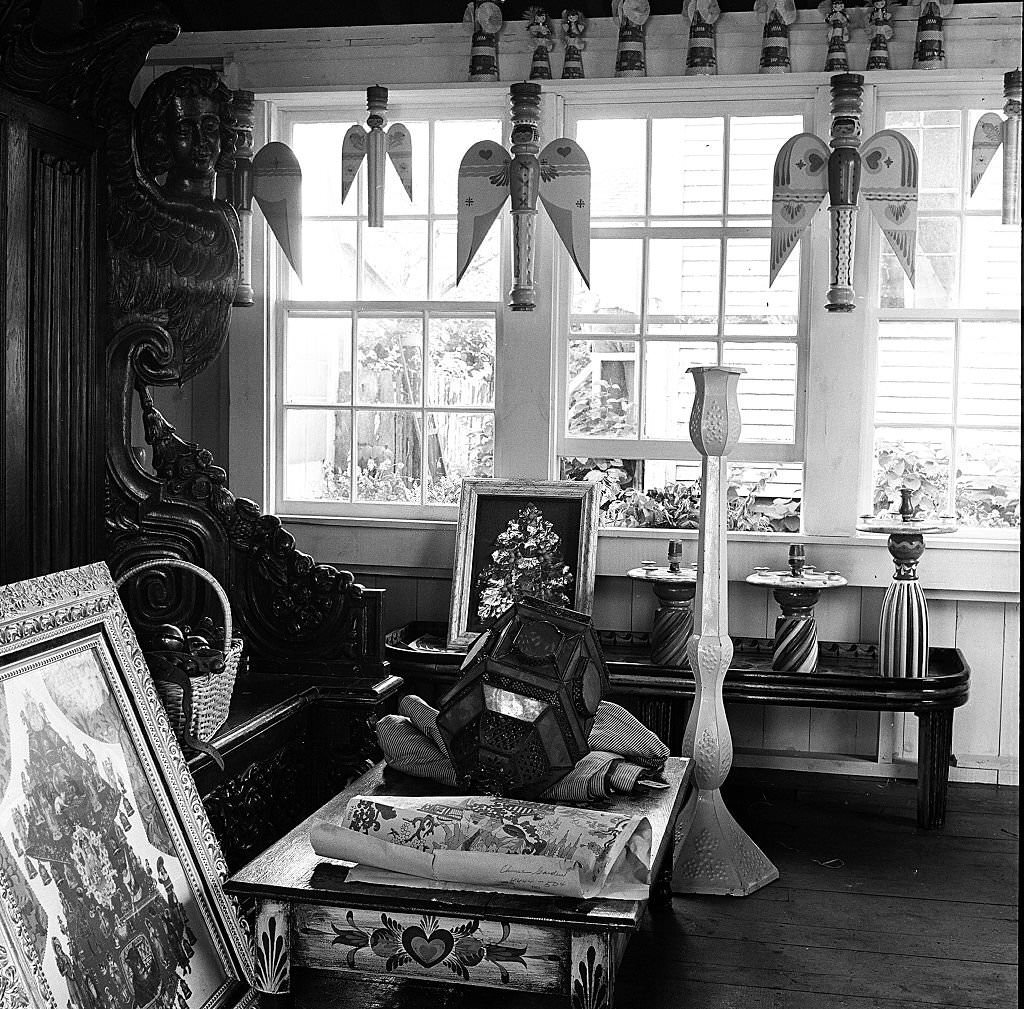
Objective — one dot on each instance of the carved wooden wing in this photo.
(353, 150)
(277, 188)
(483, 190)
(565, 193)
(889, 187)
(400, 152)
(799, 184)
(988, 135)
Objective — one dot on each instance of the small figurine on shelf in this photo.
(881, 32)
(838, 21)
(991, 132)
(777, 16)
(929, 48)
(631, 57)
(701, 57)
(539, 30)
(485, 20)
(574, 24)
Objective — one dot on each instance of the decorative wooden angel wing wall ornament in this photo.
(560, 176)
(372, 144)
(805, 171)
(991, 132)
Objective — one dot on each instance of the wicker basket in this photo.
(196, 706)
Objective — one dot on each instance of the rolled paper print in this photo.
(574, 24)
(539, 29)
(838, 21)
(881, 31)
(631, 56)
(929, 47)
(485, 21)
(701, 56)
(777, 16)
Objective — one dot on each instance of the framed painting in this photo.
(110, 875)
(521, 538)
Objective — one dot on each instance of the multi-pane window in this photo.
(386, 369)
(681, 223)
(947, 408)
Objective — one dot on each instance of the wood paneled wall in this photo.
(985, 730)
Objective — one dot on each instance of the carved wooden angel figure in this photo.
(881, 31)
(991, 132)
(777, 16)
(838, 21)
(631, 55)
(541, 38)
(559, 176)
(929, 46)
(485, 20)
(701, 56)
(574, 24)
(805, 170)
(372, 144)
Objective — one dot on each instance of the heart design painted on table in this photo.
(564, 151)
(427, 951)
(873, 159)
(485, 154)
(815, 162)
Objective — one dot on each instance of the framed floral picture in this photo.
(110, 875)
(521, 538)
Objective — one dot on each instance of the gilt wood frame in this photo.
(112, 881)
(506, 497)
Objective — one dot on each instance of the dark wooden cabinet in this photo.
(51, 284)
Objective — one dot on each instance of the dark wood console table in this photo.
(847, 677)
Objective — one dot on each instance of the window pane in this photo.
(396, 200)
(451, 141)
(937, 139)
(938, 247)
(991, 264)
(482, 278)
(395, 261)
(328, 262)
(754, 142)
(617, 150)
(458, 445)
(988, 479)
(461, 362)
(914, 458)
(767, 392)
(389, 455)
(390, 362)
(317, 448)
(615, 269)
(915, 372)
(683, 278)
(318, 148)
(669, 389)
(989, 380)
(686, 166)
(318, 361)
(751, 306)
(602, 376)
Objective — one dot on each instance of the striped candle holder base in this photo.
(903, 630)
(670, 631)
(796, 645)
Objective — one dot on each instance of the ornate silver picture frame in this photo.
(110, 875)
(521, 537)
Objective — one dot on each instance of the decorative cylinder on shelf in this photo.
(631, 54)
(574, 24)
(844, 167)
(881, 32)
(777, 16)
(713, 853)
(929, 46)
(701, 55)
(485, 20)
(539, 29)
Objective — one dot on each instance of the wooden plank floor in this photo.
(869, 912)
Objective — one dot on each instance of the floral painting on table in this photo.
(521, 538)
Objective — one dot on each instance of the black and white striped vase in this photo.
(903, 625)
(796, 635)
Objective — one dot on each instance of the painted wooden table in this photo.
(308, 914)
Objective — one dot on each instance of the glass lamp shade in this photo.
(520, 716)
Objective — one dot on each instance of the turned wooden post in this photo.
(713, 853)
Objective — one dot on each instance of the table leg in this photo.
(592, 976)
(934, 748)
(271, 969)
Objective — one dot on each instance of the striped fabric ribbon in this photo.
(623, 752)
